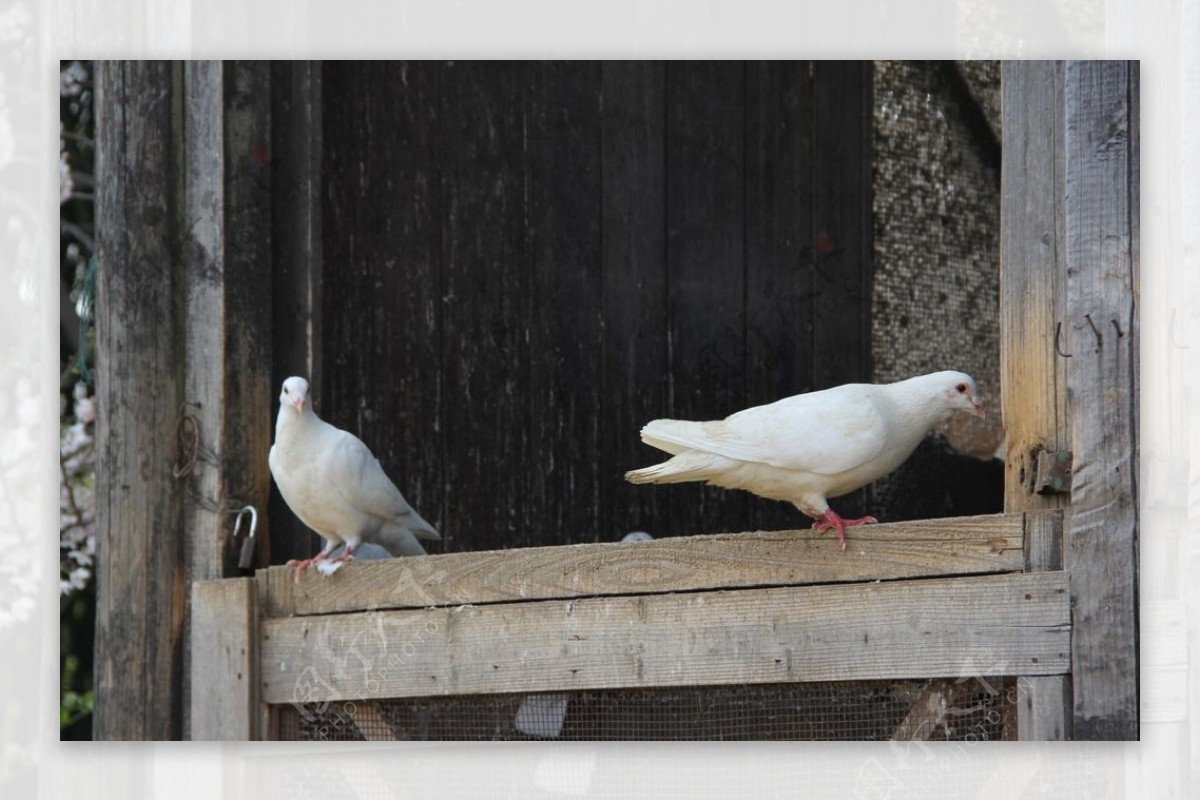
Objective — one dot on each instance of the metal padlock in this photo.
(246, 560)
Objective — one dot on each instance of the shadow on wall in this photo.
(937, 481)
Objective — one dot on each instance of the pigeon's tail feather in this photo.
(687, 466)
(419, 526)
(676, 436)
(399, 541)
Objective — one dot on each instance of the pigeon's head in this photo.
(294, 394)
(960, 392)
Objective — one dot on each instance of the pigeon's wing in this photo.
(823, 432)
(357, 476)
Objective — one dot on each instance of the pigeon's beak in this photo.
(299, 404)
(977, 409)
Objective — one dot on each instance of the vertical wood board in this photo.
(224, 660)
(1101, 549)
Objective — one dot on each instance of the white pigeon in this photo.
(811, 447)
(335, 485)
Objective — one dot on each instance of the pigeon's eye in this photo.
(961, 388)
(285, 391)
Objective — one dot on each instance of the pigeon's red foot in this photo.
(831, 519)
(345, 556)
(303, 564)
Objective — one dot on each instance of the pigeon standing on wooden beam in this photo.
(334, 484)
(811, 447)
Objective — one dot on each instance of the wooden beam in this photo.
(1033, 363)
(141, 595)
(1101, 540)
(1032, 258)
(983, 544)
(224, 659)
(975, 626)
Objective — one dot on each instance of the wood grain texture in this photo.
(705, 269)
(383, 310)
(1033, 381)
(1019, 623)
(486, 306)
(565, 329)
(842, 246)
(985, 544)
(205, 271)
(140, 562)
(633, 252)
(224, 660)
(780, 130)
(1032, 308)
(247, 357)
(1101, 540)
(223, 137)
(296, 262)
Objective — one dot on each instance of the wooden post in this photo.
(1032, 369)
(141, 580)
(1100, 548)
(225, 196)
(1069, 346)
(184, 348)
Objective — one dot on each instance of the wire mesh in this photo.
(968, 709)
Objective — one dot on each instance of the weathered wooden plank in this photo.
(1043, 701)
(204, 256)
(247, 356)
(384, 306)
(780, 133)
(1033, 369)
(780, 129)
(842, 244)
(924, 629)
(141, 595)
(297, 248)
(633, 226)
(1100, 547)
(565, 334)
(224, 660)
(486, 306)
(1032, 269)
(705, 216)
(985, 544)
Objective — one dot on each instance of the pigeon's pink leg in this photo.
(831, 519)
(303, 564)
(346, 555)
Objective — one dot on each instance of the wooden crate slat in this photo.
(224, 700)
(949, 546)
(973, 626)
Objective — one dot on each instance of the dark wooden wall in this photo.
(524, 262)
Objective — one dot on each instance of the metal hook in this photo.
(1095, 330)
(1057, 336)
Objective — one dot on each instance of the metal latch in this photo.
(1053, 472)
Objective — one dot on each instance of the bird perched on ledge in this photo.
(334, 484)
(811, 447)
